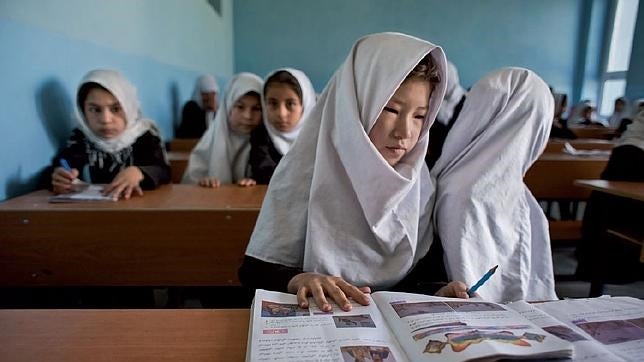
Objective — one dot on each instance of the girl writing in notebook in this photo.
(121, 148)
(484, 213)
(221, 155)
(288, 99)
(348, 209)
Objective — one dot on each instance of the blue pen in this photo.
(478, 284)
(63, 162)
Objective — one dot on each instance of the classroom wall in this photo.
(635, 77)
(48, 45)
(478, 36)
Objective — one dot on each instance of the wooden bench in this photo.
(178, 164)
(594, 132)
(552, 178)
(182, 144)
(178, 235)
(557, 145)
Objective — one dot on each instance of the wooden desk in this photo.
(617, 233)
(594, 132)
(177, 235)
(557, 145)
(182, 144)
(120, 335)
(631, 190)
(553, 175)
(178, 164)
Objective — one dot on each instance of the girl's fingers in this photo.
(338, 295)
(320, 299)
(354, 292)
(302, 299)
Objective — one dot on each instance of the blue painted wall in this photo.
(635, 77)
(49, 45)
(478, 36)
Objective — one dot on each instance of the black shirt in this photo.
(147, 153)
(264, 157)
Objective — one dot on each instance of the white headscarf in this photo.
(221, 152)
(484, 213)
(615, 118)
(125, 93)
(453, 95)
(206, 83)
(634, 134)
(334, 205)
(283, 140)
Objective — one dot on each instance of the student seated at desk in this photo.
(221, 155)
(355, 214)
(620, 111)
(594, 252)
(121, 148)
(559, 124)
(198, 113)
(484, 213)
(584, 114)
(288, 98)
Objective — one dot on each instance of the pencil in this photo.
(481, 281)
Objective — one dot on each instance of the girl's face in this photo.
(209, 101)
(284, 108)
(398, 126)
(104, 114)
(246, 113)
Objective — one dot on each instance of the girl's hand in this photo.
(125, 183)
(245, 182)
(320, 286)
(209, 182)
(454, 290)
(61, 180)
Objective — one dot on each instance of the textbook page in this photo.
(92, 192)
(449, 329)
(282, 331)
(586, 349)
(617, 323)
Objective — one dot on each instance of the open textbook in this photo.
(86, 192)
(600, 329)
(396, 327)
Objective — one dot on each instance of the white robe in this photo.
(334, 205)
(283, 140)
(222, 153)
(484, 213)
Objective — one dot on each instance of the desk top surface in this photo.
(118, 335)
(632, 190)
(167, 197)
(560, 156)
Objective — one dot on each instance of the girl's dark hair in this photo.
(84, 91)
(426, 69)
(284, 77)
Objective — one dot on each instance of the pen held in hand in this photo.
(77, 184)
(481, 281)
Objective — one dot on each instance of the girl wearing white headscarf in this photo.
(121, 148)
(356, 210)
(604, 211)
(584, 115)
(287, 100)
(221, 156)
(620, 112)
(198, 113)
(484, 213)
